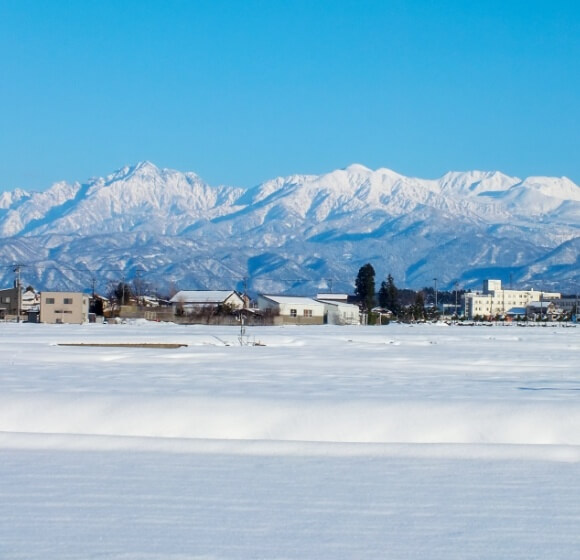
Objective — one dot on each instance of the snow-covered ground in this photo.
(327, 442)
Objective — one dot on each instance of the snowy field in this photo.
(402, 442)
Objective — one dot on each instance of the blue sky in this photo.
(242, 91)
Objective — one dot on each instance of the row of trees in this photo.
(404, 304)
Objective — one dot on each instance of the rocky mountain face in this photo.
(297, 234)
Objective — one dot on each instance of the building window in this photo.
(67, 301)
(293, 313)
(49, 300)
(308, 313)
(7, 299)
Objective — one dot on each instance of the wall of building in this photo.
(64, 307)
(496, 301)
(9, 301)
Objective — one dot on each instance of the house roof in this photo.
(202, 296)
(516, 311)
(337, 303)
(329, 296)
(298, 300)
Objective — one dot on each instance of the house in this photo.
(29, 300)
(64, 307)
(8, 302)
(194, 301)
(293, 310)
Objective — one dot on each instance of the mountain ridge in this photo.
(294, 234)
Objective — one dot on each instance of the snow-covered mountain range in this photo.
(297, 234)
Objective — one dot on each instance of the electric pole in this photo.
(435, 280)
(18, 294)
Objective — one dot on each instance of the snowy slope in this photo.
(293, 234)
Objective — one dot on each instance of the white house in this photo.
(340, 313)
(192, 301)
(293, 309)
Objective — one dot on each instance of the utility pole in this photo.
(138, 285)
(18, 294)
(435, 280)
(456, 285)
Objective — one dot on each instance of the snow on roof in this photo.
(516, 311)
(201, 296)
(298, 300)
(336, 302)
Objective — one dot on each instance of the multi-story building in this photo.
(64, 307)
(8, 302)
(494, 300)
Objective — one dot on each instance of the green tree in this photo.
(365, 286)
(389, 295)
(419, 307)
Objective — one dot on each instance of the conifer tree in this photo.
(365, 286)
(389, 295)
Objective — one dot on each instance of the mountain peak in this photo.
(358, 168)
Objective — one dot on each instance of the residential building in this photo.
(8, 302)
(494, 300)
(64, 307)
(195, 301)
(338, 312)
(293, 309)
(569, 304)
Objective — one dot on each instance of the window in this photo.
(49, 300)
(67, 301)
(293, 313)
(7, 299)
(308, 313)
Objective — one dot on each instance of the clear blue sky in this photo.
(242, 91)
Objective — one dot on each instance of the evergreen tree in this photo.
(365, 286)
(389, 296)
(419, 307)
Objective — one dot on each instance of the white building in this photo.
(192, 301)
(494, 300)
(340, 313)
(293, 309)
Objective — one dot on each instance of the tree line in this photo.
(402, 304)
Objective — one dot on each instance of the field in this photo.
(158, 441)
